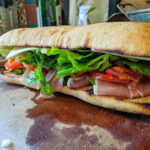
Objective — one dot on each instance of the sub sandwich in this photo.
(105, 64)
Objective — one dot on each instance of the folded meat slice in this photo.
(134, 91)
(78, 82)
(55, 83)
(144, 87)
(122, 90)
(110, 89)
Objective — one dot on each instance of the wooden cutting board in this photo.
(66, 123)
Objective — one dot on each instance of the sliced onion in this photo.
(50, 75)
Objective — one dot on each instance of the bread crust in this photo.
(136, 105)
(17, 79)
(130, 38)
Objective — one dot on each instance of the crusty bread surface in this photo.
(130, 38)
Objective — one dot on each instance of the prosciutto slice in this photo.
(144, 87)
(78, 82)
(105, 88)
(122, 90)
(55, 83)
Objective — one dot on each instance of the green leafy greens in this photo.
(92, 81)
(37, 59)
(72, 62)
(68, 62)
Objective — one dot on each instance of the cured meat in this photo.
(144, 87)
(78, 82)
(55, 83)
(121, 90)
(110, 89)
(131, 90)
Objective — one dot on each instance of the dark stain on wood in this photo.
(71, 111)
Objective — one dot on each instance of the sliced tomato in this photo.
(124, 73)
(45, 70)
(122, 69)
(13, 63)
(106, 77)
(29, 67)
(11, 60)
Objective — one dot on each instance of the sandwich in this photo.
(105, 64)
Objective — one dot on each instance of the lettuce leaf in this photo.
(33, 57)
(92, 81)
(37, 58)
(75, 61)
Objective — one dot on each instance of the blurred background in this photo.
(38, 13)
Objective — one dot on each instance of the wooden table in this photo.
(66, 123)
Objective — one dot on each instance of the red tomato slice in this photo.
(29, 67)
(13, 63)
(11, 60)
(106, 77)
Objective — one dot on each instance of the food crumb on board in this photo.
(7, 144)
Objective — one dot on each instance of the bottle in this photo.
(65, 12)
(58, 8)
(49, 12)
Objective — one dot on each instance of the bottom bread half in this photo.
(137, 105)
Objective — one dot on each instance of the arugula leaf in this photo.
(19, 71)
(29, 59)
(39, 60)
(106, 64)
(31, 80)
(45, 84)
(92, 81)
(39, 74)
(49, 62)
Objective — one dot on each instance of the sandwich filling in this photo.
(101, 73)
